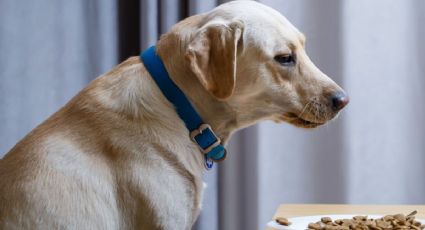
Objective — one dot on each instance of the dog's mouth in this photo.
(294, 119)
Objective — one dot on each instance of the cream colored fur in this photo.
(117, 156)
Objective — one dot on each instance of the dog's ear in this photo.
(212, 55)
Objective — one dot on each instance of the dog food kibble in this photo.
(396, 222)
(283, 221)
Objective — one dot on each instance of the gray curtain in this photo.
(373, 153)
(49, 51)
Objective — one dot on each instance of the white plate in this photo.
(301, 223)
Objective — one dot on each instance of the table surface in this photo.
(294, 210)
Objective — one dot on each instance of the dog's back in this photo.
(99, 163)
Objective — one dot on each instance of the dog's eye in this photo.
(285, 60)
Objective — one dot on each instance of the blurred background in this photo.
(374, 153)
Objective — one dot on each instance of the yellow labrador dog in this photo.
(118, 156)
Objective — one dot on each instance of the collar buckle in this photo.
(205, 138)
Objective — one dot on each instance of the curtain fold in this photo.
(386, 129)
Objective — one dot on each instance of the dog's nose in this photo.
(339, 100)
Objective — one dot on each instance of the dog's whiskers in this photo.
(305, 107)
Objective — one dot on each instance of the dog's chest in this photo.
(157, 187)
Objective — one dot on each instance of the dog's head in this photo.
(250, 57)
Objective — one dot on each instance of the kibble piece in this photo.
(315, 226)
(388, 218)
(339, 221)
(349, 224)
(283, 221)
(326, 220)
(360, 218)
(400, 217)
(413, 213)
(416, 223)
(331, 227)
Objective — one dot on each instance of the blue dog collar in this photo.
(201, 133)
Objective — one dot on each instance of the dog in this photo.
(118, 156)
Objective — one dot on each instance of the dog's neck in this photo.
(219, 114)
